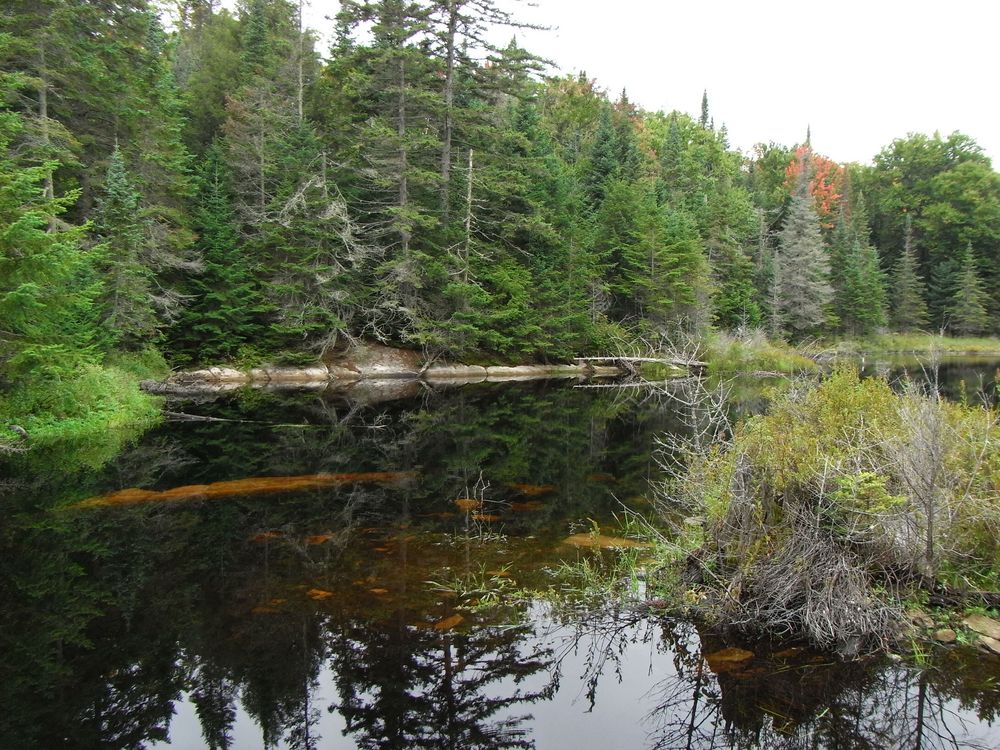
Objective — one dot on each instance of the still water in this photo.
(331, 570)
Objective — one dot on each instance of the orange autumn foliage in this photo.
(826, 182)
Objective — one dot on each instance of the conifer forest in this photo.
(367, 381)
(209, 185)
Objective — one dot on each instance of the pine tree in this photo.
(967, 315)
(398, 149)
(909, 311)
(703, 119)
(603, 164)
(801, 292)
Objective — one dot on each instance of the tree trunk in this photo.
(299, 90)
(468, 224)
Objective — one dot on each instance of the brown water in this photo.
(337, 573)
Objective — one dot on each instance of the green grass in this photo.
(918, 343)
(754, 352)
(86, 414)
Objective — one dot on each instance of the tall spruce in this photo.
(127, 314)
(801, 291)
(226, 305)
(967, 315)
(909, 311)
(45, 299)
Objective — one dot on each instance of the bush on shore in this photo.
(825, 516)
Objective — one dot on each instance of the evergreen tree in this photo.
(603, 164)
(909, 311)
(44, 300)
(127, 317)
(967, 315)
(801, 291)
(226, 305)
(862, 291)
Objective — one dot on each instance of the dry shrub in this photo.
(824, 516)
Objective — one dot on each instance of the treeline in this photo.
(223, 191)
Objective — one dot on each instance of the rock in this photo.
(990, 644)
(455, 371)
(367, 391)
(983, 625)
(372, 360)
(318, 374)
(920, 618)
(945, 635)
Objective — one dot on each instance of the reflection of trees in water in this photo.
(404, 686)
(109, 616)
(786, 700)
(789, 704)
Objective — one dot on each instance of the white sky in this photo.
(859, 72)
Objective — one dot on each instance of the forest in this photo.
(197, 185)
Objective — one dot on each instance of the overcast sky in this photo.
(860, 73)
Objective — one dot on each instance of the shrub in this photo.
(822, 516)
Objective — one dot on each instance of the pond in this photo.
(330, 570)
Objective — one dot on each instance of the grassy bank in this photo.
(94, 408)
(917, 343)
(753, 352)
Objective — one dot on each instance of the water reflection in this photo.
(305, 618)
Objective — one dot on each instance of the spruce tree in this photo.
(224, 313)
(44, 298)
(127, 317)
(909, 311)
(863, 296)
(801, 291)
(967, 315)
(603, 164)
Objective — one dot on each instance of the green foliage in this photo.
(909, 311)
(425, 187)
(948, 190)
(45, 299)
(751, 352)
(966, 314)
(126, 315)
(226, 306)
